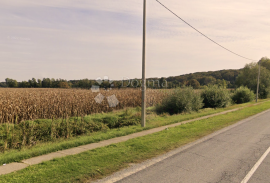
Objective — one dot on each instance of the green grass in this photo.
(28, 133)
(103, 161)
(61, 144)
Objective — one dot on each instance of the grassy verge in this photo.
(61, 144)
(103, 161)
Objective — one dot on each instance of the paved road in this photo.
(262, 174)
(227, 157)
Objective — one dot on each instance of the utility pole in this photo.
(143, 67)
(258, 82)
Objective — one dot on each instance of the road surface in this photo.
(227, 157)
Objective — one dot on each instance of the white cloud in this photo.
(88, 39)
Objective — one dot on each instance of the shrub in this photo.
(264, 93)
(180, 100)
(243, 95)
(215, 97)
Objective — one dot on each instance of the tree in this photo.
(265, 62)
(3, 84)
(194, 83)
(208, 80)
(84, 83)
(30, 83)
(63, 84)
(34, 83)
(117, 84)
(46, 83)
(39, 83)
(222, 83)
(24, 84)
(162, 82)
(230, 77)
(104, 84)
(11, 83)
(248, 77)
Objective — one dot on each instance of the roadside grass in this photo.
(153, 121)
(29, 133)
(101, 162)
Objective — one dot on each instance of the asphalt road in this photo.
(227, 157)
(262, 174)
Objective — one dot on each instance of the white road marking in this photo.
(255, 167)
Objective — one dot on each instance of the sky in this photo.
(80, 39)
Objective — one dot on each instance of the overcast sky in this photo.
(79, 39)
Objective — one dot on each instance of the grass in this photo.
(28, 133)
(103, 161)
(153, 121)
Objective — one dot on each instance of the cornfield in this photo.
(17, 105)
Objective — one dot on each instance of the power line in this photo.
(202, 33)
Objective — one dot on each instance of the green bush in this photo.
(215, 97)
(243, 95)
(180, 100)
(264, 93)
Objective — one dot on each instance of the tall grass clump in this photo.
(29, 133)
(243, 95)
(180, 100)
(216, 97)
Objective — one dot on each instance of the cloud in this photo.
(89, 39)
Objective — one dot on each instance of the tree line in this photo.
(86, 83)
(222, 77)
(246, 76)
(54, 83)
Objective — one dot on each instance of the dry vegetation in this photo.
(17, 105)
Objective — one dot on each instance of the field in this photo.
(35, 122)
(17, 105)
(101, 162)
(32, 116)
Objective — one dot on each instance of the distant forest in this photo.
(222, 77)
(196, 80)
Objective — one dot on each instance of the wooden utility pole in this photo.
(143, 68)
(258, 82)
